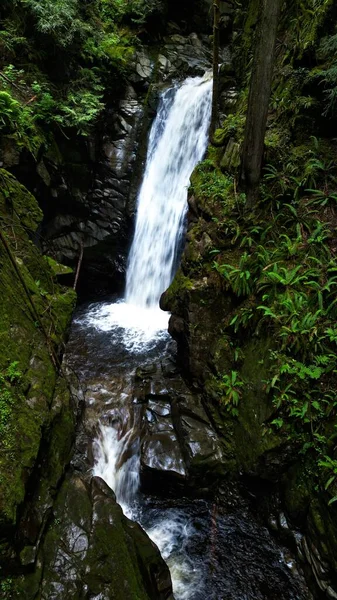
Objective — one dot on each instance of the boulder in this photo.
(180, 451)
(92, 550)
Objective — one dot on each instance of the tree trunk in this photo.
(259, 96)
(216, 45)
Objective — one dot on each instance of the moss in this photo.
(57, 268)
(213, 190)
(246, 24)
(322, 528)
(109, 563)
(173, 295)
(15, 198)
(252, 437)
(22, 340)
(299, 489)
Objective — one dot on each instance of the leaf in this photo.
(329, 482)
(304, 409)
(274, 380)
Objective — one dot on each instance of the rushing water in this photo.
(178, 141)
(111, 339)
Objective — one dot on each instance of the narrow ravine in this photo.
(211, 553)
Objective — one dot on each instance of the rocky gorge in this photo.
(230, 502)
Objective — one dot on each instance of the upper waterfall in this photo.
(178, 141)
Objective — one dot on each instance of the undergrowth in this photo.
(60, 59)
(283, 272)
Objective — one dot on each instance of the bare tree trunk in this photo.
(259, 96)
(216, 45)
(79, 264)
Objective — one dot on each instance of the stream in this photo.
(137, 404)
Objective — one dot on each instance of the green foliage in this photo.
(10, 111)
(209, 183)
(308, 17)
(231, 387)
(240, 277)
(94, 43)
(80, 110)
(17, 121)
(58, 18)
(282, 273)
(9, 382)
(330, 464)
(6, 587)
(328, 74)
(136, 10)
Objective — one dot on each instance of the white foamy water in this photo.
(178, 141)
(170, 535)
(117, 462)
(140, 328)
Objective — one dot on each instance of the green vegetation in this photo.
(283, 271)
(231, 385)
(35, 314)
(60, 60)
(277, 265)
(9, 386)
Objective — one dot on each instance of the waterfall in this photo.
(177, 143)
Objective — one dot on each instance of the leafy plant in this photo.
(331, 465)
(9, 379)
(231, 385)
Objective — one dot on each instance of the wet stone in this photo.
(162, 409)
(162, 464)
(91, 550)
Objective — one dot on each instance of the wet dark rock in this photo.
(180, 449)
(162, 462)
(92, 550)
(186, 55)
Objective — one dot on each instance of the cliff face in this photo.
(35, 402)
(241, 316)
(85, 169)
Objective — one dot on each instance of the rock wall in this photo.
(92, 551)
(35, 315)
(265, 461)
(87, 186)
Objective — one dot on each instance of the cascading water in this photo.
(178, 141)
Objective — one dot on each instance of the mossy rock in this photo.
(57, 268)
(92, 548)
(35, 315)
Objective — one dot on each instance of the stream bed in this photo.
(215, 548)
